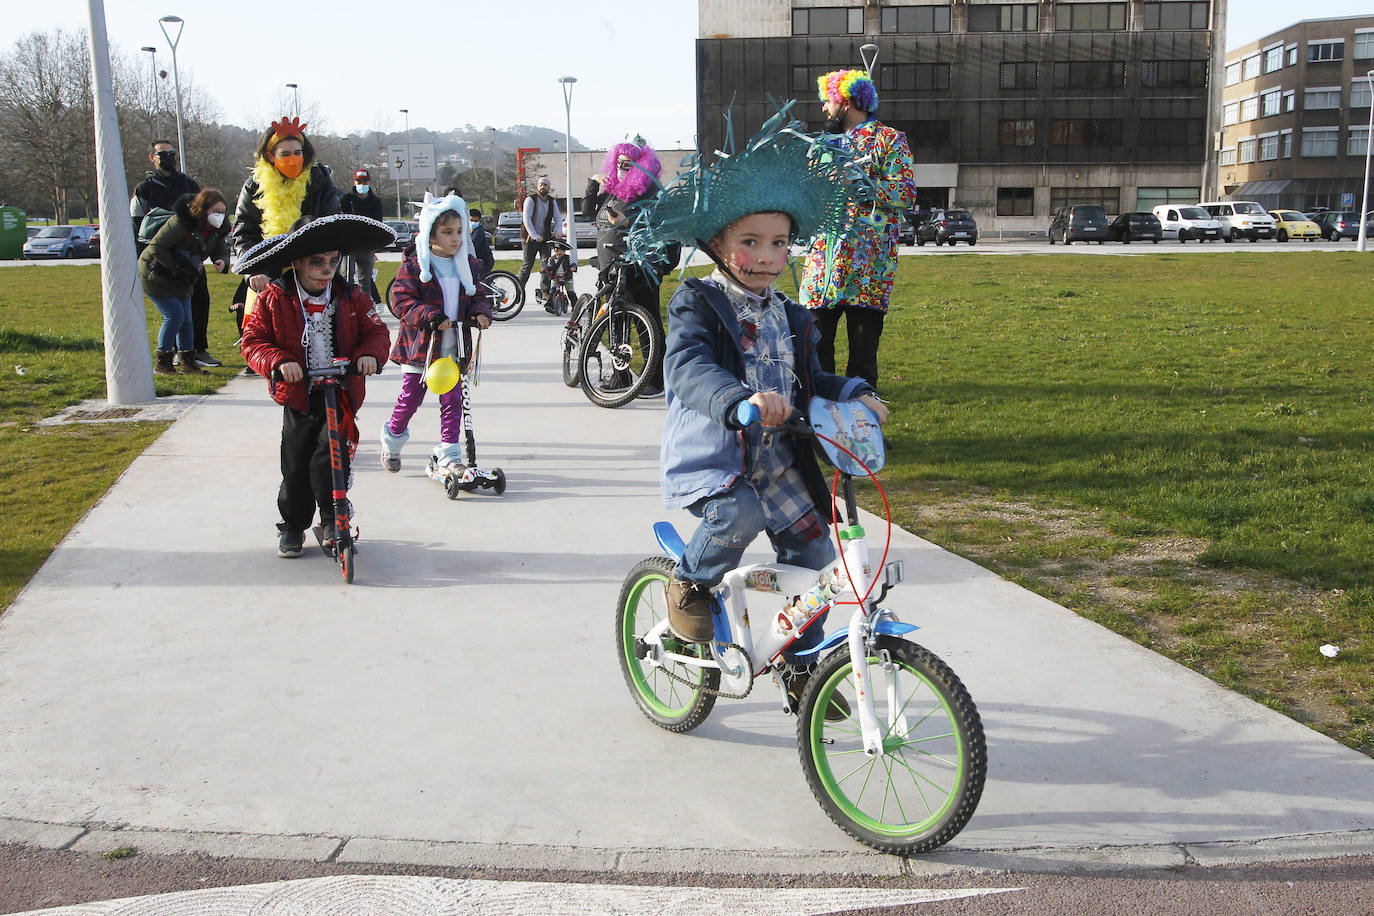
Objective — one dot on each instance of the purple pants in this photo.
(413, 395)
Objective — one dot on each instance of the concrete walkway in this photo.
(167, 682)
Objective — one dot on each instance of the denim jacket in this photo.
(702, 451)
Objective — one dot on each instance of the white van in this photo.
(1184, 223)
(1241, 219)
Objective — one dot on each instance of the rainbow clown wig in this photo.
(852, 86)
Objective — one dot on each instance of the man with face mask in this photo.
(542, 222)
(363, 202)
(164, 185)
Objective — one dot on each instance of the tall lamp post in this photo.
(569, 220)
(1368, 147)
(152, 78)
(296, 98)
(406, 112)
(164, 22)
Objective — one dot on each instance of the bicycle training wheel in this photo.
(621, 347)
(573, 334)
(922, 789)
(667, 702)
(507, 295)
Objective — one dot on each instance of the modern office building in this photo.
(1011, 109)
(1295, 116)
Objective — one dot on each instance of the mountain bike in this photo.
(890, 741)
(618, 342)
(503, 287)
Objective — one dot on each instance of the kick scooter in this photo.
(470, 476)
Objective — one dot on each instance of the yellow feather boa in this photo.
(279, 198)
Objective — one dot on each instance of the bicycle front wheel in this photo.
(574, 332)
(508, 296)
(677, 704)
(921, 790)
(621, 348)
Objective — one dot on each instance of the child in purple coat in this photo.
(434, 294)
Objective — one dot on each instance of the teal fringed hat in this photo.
(782, 168)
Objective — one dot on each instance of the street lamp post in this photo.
(569, 220)
(406, 112)
(176, 77)
(296, 98)
(1368, 146)
(152, 78)
(869, 54)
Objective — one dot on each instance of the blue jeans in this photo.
(177, 331)
(729, 524)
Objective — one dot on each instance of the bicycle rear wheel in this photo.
(921, 790)
(508, 296)
(621, 349)
(574, 332)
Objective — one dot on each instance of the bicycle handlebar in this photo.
(340, 368)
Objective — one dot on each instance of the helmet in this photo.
(442, 374)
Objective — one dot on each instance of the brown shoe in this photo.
(837, 711)
(188, 362)
(162, 364)
(689, 611)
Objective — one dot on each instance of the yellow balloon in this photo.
(442, 374)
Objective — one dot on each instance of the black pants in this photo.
(644, 291)
(306, 480)
(864, 327)
(200, 312)
(533, 249)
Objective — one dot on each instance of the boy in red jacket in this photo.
(304, 319)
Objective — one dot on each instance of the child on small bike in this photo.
(732, 338)
(303, 320)
(434, 294)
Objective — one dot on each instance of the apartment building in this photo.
(1295, 116)
(1012, 110)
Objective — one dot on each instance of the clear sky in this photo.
(480, 62)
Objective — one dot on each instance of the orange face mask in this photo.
(289, 164)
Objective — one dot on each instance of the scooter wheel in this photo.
(346, 561)
(500, 485)
(452, 486)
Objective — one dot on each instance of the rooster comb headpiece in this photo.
(284, 128)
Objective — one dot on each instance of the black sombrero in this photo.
(345, 233)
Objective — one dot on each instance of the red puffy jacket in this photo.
(273, 330)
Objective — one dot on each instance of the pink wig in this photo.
(632, 183)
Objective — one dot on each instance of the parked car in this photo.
(1335, 225)
(947, 227)
(95, 243)
(906, 228)
(404, 235)
(587, 234)
(1241, 219)
(1290, 224)
(1132, 227)
(1186, 223)
(1082, 223)
(507, 234)
(61, 242)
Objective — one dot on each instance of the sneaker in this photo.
(689, 611)
(391, 462)
(837, 711)
(203, 358)
(651, 391)
(290, 544)
(248, 372)
(540, 295)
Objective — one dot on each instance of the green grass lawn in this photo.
(1175, 445)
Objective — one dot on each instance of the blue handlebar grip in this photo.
(746, 413)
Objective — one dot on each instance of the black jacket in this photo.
(369, 204)
(321, 199)
(170, 265)
(159, 189)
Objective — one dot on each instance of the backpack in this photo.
(152, 222)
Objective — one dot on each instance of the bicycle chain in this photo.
(707, 690)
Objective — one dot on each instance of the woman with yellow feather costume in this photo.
(287, 182)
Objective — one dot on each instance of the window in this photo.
(1086, 132)
(1004, 17)
(838, 20)
(1171, 131)
(1247, 149)
(1016, 133)
(1273, 58)
(1269, 147)
(1173, 74)
(1360, 93)
(1249, 108)
(1329, 49)
(1108, 199)
(1147, 199)
(1290, 53)
(1271, 102)
(915, 19)
(1323, 97)
(914, 77)
(1089, 17)
(1250, 67)
(1232, 73)
(1320, 141)
(1228, 156)
(928, 134)
(1358, 144)
(1230, 114)
(1016, 201)
(1089, 74)
(1176, 16)
(1288, 98)
(1364, 44)
(1015, 75)
(1285, 144)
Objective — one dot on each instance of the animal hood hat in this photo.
(781, 169)
(430, 209)
(852, 86)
